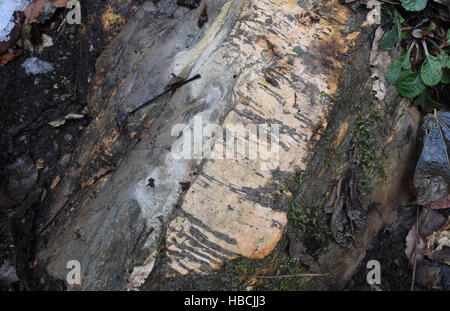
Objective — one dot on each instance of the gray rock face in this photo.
(268, 65)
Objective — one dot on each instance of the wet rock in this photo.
(203, 210)
(385, 196)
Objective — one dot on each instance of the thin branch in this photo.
(415, 251)
(285, 276)
(171, 88)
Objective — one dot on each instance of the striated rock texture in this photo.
(267, 63)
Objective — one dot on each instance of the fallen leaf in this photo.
(443, 239)
(7, 58)
(47, 41)
(103, 171)
(40, 163)
(55, 182)
(379, 60)
(59, 122)
(33, 10)
(440, 237)
(441, 204)
(374, 16)
(140, 273)
(411, 245)
(348, 216)
(14, 34)
(442, 256)
(60, 3)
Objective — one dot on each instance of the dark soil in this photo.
(29, 102)
(396, 273)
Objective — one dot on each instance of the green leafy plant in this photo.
(426, 62)
(414, 5)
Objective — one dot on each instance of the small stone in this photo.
(65, 159)
(68, 137)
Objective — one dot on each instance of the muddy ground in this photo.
(29, 103)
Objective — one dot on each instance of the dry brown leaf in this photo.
(411, 245)
(374, 16)
(55, 182)
(101, 172)
(440, 237)
(140, 273)
(60, 3)
(70, 116)
(379, 60)
(442, 203)
(40, 163)
(33, 10)
(443, 239)
(7, 58)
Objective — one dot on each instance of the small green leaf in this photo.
(425, 101)
(445, 62)
(393, 37)
(410, 85)
(414, 5)
(404, 34)
(191, 35)
(26, 31)
(448, 36)
(431, 71)
(394, 69)
(389, 41)
(432, 27)
(445, 76)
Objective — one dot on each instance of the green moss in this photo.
(5, 254)
(369, 155)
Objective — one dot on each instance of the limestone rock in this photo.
(275, 65)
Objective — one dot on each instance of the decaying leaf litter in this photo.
(345, 207)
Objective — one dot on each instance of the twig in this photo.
(60, 208)
(172, 87)
(284, 276)
(390, 2)
(415, 251)
(60, 29)
(425, 220)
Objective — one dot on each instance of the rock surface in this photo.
(276, 64)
